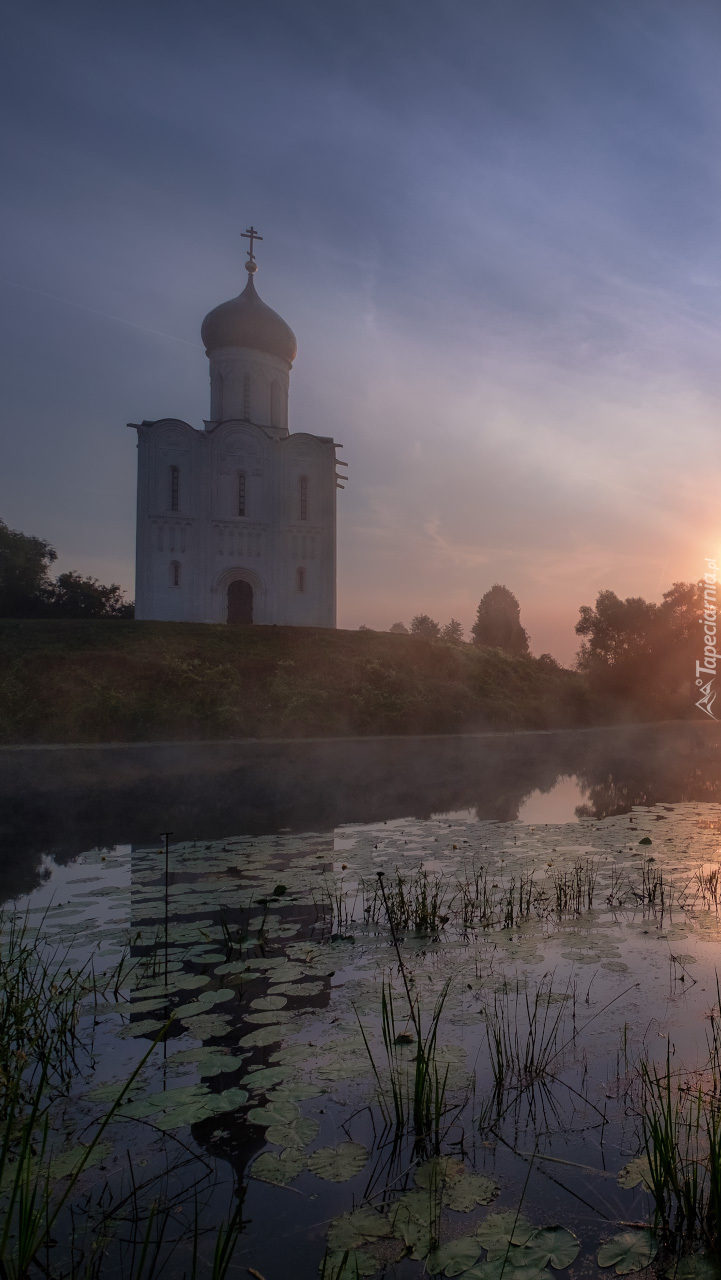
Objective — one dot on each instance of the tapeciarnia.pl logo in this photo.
(708, 622)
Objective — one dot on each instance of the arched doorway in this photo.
(240, 601)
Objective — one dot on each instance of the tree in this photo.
(76, 597)
(498, 622)
(24, 583)
(27, 591)
(399, 629)
(452, 631)
(422, 625)
(643, 653)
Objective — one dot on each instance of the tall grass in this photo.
(45, 1043)
(417, 1087)
(522, 1033)
(681, 1130)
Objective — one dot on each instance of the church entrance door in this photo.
(240, 601)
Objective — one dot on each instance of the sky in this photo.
(494, 226)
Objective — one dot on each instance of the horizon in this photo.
(496, 240)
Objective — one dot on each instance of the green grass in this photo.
(124, 681)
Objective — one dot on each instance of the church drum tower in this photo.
(237, 522)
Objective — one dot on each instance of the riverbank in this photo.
(65, 681)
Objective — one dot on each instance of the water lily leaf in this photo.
(293, 1054)
(173, 1108)
(147, 1006)
(280, 1168)
(348, 1265)
(635, 1173)
(507, 1267)
(629, 1251)
(66, 1162)
(292, 1092)
(264, 1035)
(455, 1257)
(232, 966)
(433, 1173)
(269, 1002)
(269, 1016)
(355, 1228)
(297, 989)
(264, 1078)
(500, 1229)
(205, 1026)
(338, 1164)
(275, 1112)
(343, 1069)
(558, 1246)
(696, 1266)
(205, 1001)
(297, 1134)
(229, 1100)
(412, 1220)
(146, 1027)
(464, 1193)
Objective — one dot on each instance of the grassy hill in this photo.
(105, 681)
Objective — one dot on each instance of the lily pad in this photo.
(355, 1228)
(143, 1028)
(203, 1026)
(338, 1164)
(501, 1229)
(697, 1266)
(268, 1016)
(464, 1193)
(279, 1167)
(412, 1221)
(274, 1113)
(559, 1246)
(348, 1265)
(264, 1078)
(629, 1251)
(269, 1002)
(455, 1257)
(635, 1173)
(264, 1035)
(296, 989)
(434, 1173)
(296, 1134)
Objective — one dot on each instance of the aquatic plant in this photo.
(415, 903)
(522, 1033)
(574, 887)
(417, 1097)
(681, 1129)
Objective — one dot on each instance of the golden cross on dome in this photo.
(251, 234)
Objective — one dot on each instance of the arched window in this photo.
(241, 493)
(300, 572)
(246, 397)
(175, 573)
(303, 494)
(274, 404)
(174, 488)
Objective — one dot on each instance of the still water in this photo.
(548, 903)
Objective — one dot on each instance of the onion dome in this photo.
(246, 321)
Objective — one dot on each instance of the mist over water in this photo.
(61, 801)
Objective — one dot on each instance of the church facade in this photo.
(237, 522)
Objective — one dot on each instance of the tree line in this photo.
(637, 655)
(28, 591)
(633, 652)
(497, 625)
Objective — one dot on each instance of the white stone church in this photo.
(237, 522)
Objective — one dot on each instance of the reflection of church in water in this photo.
(237, 522)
